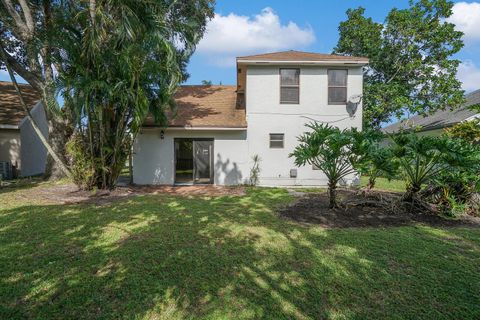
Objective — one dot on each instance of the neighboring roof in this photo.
(298, 56)
(440, 119)
(11, 111)
(206, 107)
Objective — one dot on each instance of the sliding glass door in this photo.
(193, 161)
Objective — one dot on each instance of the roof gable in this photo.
(11, 110)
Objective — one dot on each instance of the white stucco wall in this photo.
(266, 115)
(10, 146)
(33, 153)
(154, 163)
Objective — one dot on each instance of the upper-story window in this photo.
(337, 86)
(290, 86)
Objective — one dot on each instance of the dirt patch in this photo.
(68, 193)
(314, 209)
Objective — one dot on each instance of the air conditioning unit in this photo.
(6, 170)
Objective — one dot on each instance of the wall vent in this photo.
(293, 173)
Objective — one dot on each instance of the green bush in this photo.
(379, 162)
(81, 165)
(440, 170)
(454, 188)
(337, 153)
(466, 130)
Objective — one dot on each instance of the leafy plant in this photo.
(379, 161)
(82, 167)
(466, 130)
(455, 187)
(255, 170)
(424, 159)
(337, 153)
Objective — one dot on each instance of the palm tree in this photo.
(124, 60)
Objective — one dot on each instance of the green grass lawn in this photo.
(166, 257)
(385, 184)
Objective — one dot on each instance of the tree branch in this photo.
(30, 77)
(22, 27)
(28, 16)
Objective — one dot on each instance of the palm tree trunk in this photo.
(332, 192)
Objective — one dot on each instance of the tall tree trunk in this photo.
(332, 192)
(371, 182)
(58, 135)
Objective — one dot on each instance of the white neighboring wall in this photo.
(33, 153)
(10, 146)
(266, 115)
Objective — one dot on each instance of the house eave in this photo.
(304, 63)
(189, 128)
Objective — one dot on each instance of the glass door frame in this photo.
(194, 160)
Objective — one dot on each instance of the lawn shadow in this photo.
(201, 257)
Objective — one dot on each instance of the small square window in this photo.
(276, 140)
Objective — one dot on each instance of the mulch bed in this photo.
(314, 209)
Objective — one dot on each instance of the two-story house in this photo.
(218, 129)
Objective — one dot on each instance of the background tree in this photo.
(410, 69)
(122, 61)
(337, 153)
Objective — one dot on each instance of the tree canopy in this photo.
(411, 67)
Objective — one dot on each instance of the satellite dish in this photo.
(353, 102)
(355, 99)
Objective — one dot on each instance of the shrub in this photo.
(379, 161)
(454, 188)
(81, 165)
(337, 153)
(420, 159)
(466, 130)
(447, 169)
(255, 170)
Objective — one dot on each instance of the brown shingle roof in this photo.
(11, 111)
(206, 107)
(301, 56)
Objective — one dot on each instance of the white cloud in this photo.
(234, 35)
(466, 16)
(469, 74)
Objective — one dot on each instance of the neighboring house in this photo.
(218, 129)
(20, 148)
(435, 124)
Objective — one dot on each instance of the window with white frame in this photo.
(277, 140)
(289, 86)
(337, 86)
